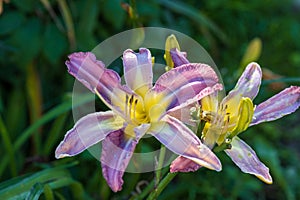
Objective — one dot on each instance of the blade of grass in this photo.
(23, 186)
(53, 15)
(48, 192)
(53, 113)
(35, 191)
(34, 96)
(195, 15)
(32, 185)
(8, 147)
(66, 13)
(54, 133)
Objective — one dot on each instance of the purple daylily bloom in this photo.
(138, 108)
(227, 118)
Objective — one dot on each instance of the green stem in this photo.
(9, 147)
(222, 147)
(149, 187)
(154, 194)
(160, 164)
(145, 192)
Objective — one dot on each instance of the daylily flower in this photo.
(138, 108)
(228, 117)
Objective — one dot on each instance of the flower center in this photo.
(231, 118)
(134, 110)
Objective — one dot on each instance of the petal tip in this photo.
(62, 155)
(217, 167)
(266, 178)
(61, 151)
(115, 188)
(128, 53)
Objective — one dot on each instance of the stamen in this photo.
(134, 107)
(131, 99)
(221, 123)
(130, 105)
(207, 116)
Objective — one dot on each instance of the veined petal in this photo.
(184, 115)
(182, 86)
(249, 82)
(91, 72)
(117, 150)
(104, 82)
(246, 159)
(182, 164)
(88, 131)
(138, 70)
(281, 104)
(178, 57)
(116, 154)
(182, 141)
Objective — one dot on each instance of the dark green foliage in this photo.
(36, 39)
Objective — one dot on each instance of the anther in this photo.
(126, 104)
(131, 99)
(134, 107)
(228, 140)
(130, 105)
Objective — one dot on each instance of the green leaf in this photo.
(25, 5)
(31, 186)
(55, 44)
(27, 41)
(48, 192)
(1, 103)
(54, 133)
(110, 9)
(21, 186)
(89, 12)
(269, 154)
(196, 15)
(60, 109)
(52, 37)
(34, 101)
(10, 21)
(67, 16)
(35, 192)
(16, 104)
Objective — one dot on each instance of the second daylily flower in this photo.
(228, 117)
(138, 108)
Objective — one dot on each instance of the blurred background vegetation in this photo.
(35, 91)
